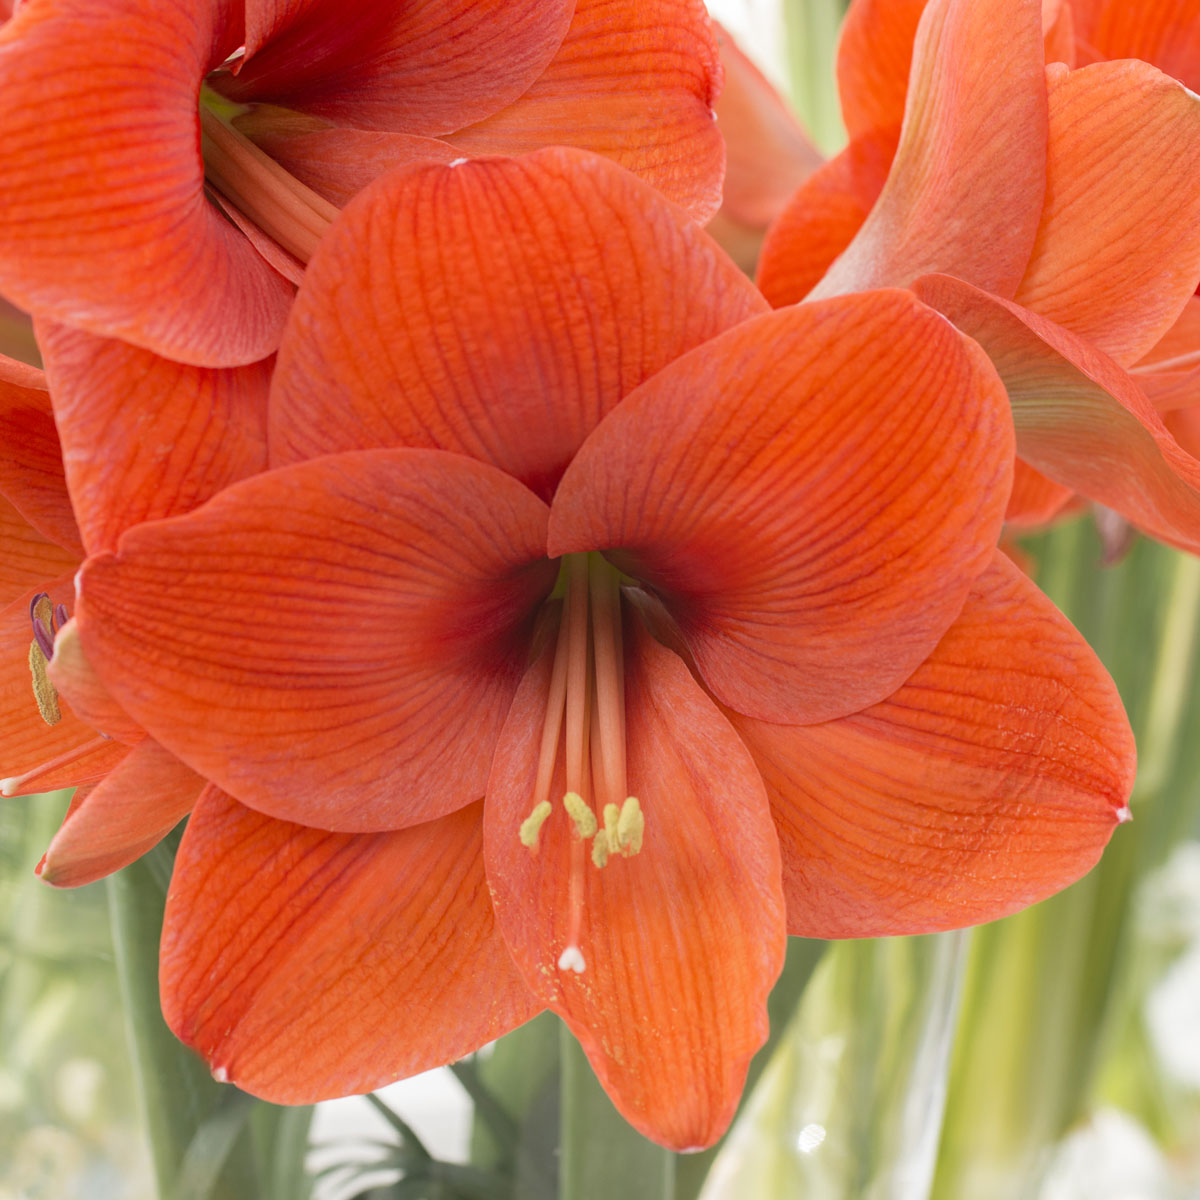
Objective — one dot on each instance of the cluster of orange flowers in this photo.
(527, 613)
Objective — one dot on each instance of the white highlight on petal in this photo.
(458, 162)
(571, 959)
(220, 1074)
(1124, 814)
(809, 1138)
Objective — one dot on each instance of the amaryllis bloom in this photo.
(264, 116)
(141, 438)
(1057, 208)
(595, 628)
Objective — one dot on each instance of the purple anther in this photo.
(43, 637)
(33, 604)
(61, 616)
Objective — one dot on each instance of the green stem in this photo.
(602, 1155)
(177, 1093)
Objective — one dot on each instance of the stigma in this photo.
(585, 725)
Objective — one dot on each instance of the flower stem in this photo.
(178, 1096)
(601, 1154)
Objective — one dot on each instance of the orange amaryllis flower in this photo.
(141, 438)
(595, 629)
(300, 104)
(1061, 203)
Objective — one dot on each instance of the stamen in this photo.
(610, 699)
(631, 827)
(44, 638)
(43, 690)
(18, 785)
(60, 617)
(578, 811)
(532, 825)
(276, 201)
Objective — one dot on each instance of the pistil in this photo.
(585, 711)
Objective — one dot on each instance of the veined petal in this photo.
(991, 779)
(593, 96)
(875, 50)
(305, 965)
(142, 799)
(76, 681)
(144, 437)
(824, 216)
(1170, 373)
(423, 67)
(336, 162)
(683, 940)
(27, 558)
(335, 642)
(1080, 419)
(810, 494)
(98, 233)
(1163, 32)
(497, 309)
(1118, 248)
(965, 190)
(31, 469)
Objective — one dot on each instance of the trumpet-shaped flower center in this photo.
(292, 214)
(585, 715)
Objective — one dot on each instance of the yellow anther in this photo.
(612, 818)
(600, 849)
(532, 825)
(578, 811)
(43, 689)
(631, 827)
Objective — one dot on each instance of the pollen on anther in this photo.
(581, 814)
(631, 826)
(532, 825)
(43, 690)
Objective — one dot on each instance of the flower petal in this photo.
(305, 965)
(1163, 32)
(28, 558)
(336, 642)
(1080, 419)
(501, 314)
(1118, 248)
(1035, 500)
(594, 96)
(810, 494)
(31, 469)
(875, 50)
(426, 67)
(824, 217)
(143, 798)
(77, 682)
(682, 941)
(98, 233)
(1170, 373)
(965, 191)
(991, 779)
(768, 155)
(334, 161)
(144, 437)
